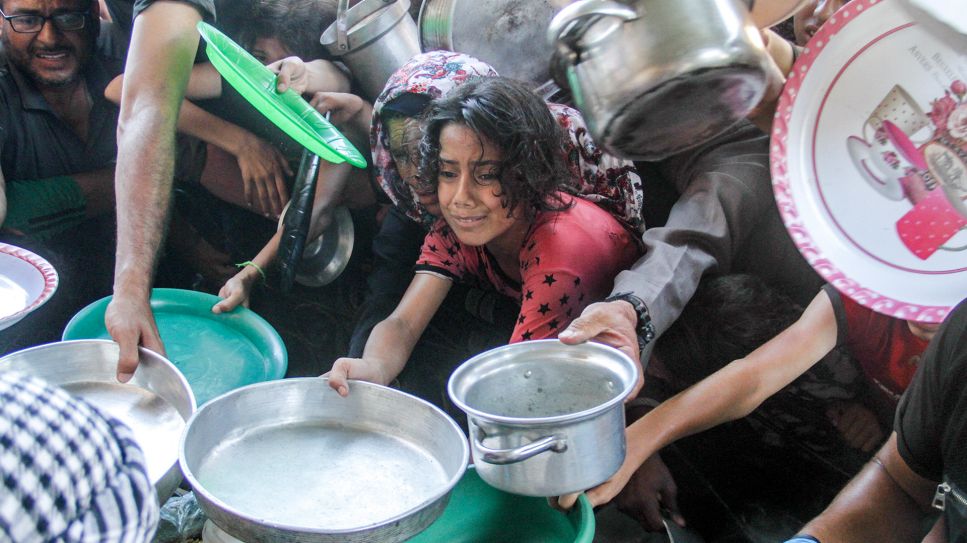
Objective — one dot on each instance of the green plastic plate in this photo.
(216, 353)
(479, 513)
(289, 111)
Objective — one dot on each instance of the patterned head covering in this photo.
(432, 75)
(604, 179)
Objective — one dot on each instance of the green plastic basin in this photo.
(479, 513)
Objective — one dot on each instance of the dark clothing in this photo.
(468, 322)
(931, 422)
(725, 220)
(123, 12)
(36, 144)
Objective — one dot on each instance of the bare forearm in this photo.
(324, 76)
(143, 194)
(163, 45)
(740, 387)
(390, 344)
(197, 122)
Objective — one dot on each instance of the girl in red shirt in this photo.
(492, 151)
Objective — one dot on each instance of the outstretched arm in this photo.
(262, 167)
(163, 46)
(392, 340)
(730, 393)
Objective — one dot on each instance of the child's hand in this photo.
(857, 424)
(235, 291)
(263, 169)
(340, 105)
(292, 74)
(362, 369)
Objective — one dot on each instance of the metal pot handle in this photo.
(501, 457)
(582, 13)
(342, 39)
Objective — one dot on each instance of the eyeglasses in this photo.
(31, 24)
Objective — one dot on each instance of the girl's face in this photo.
(404, 146)
(269, 50)
(469, 191)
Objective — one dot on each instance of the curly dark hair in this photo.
(728, 317)
(518, 123)
(297, 24)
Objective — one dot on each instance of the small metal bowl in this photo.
(325, 258)
(155, 404)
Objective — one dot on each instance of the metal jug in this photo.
(659, 77)
(374, 38)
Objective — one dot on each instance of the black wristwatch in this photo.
(645, 328)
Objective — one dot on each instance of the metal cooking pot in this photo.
(662, 76)
(154, 404)
(292, 461)
(374, 38)
(545, 418)
(507, 34)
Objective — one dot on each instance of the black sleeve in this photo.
(395, 250)
(123, 12)
(205, 7)
(935, 401)
(842, 327)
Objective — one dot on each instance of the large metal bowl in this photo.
(155, 404)
(292, 461)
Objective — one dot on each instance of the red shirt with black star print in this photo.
(567, 261)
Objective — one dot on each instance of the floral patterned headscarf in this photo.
(610, 182)
(433, 75)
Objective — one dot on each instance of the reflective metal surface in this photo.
(649, 81)
(374, 38)
(291, 460)
(507, 34)
(545, 418)
(325, 258)
(155, 404)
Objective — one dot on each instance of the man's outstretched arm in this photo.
(160, 57)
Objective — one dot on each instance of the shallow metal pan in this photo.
(292, 461)
(154, 404)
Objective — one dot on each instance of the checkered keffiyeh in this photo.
(67, 473)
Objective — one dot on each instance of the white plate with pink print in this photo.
(869, 160)
(26, 282)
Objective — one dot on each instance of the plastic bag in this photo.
(181, 519)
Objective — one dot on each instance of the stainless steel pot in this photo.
(507, 34)
(545, 418)
(292, 461)
(374, 38)
(154, 404)
(659, 77)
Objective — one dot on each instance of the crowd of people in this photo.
(500, 220)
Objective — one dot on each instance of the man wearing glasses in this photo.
(57, 147)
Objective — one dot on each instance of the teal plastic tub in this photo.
(216, 353)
